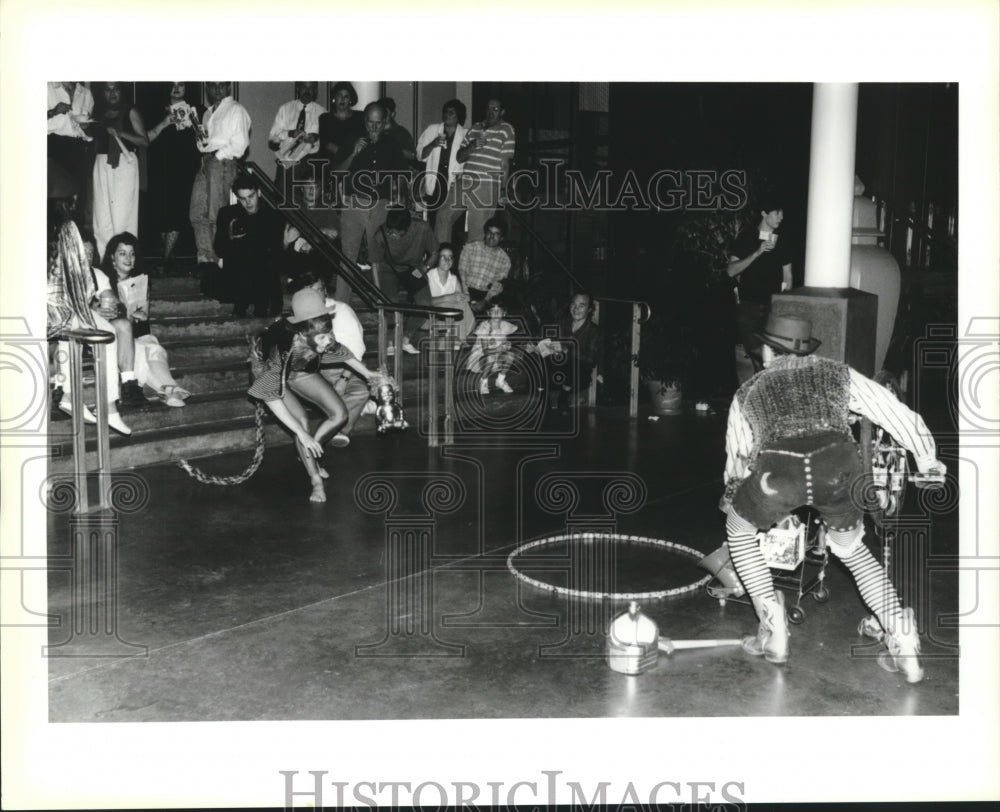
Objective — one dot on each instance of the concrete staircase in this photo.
(207, 348)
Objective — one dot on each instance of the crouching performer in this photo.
(286, 365)
(788, 445)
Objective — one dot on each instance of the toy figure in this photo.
(388, 413)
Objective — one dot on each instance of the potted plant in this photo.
(667, 357)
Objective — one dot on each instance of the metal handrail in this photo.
(99, 340)
(523, 223)
(443, 321)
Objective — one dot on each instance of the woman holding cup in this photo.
(438, 148)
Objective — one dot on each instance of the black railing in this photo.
(443, 321)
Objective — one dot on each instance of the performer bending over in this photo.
(287, 362)
(789, 444)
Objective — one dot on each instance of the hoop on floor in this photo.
(614, 537)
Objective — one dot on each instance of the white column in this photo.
(367, 92)
(831, 185)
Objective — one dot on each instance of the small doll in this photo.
(388, 413)
(492, 351)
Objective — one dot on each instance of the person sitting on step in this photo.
(493, 351)
(789, 444)
(125, 274)
(69, 269)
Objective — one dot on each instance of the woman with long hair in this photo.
(126, 276)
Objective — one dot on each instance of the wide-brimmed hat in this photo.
(789, 334)
(308, 304)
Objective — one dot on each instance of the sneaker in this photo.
(409, 349)
(484, 387)
(903, 644)
(340, 440)
(116, 422)
(66, 406)
(131, 394)
(505, 387)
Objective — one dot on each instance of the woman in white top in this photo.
(151, 366)
(444, 289)
(438, 148)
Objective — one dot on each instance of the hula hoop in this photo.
(623, 596)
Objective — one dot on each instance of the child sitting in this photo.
(492, 351)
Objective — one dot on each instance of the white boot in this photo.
(771, 640)
(502, 384)
(903, 644)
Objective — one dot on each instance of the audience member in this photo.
(339, 130)
(173, 161)
(295, 133)
(375, 168)
(486, 153)
(310, 201)
(396, 131)
(492, 351)
(444, 289)
(483, 265)
(122, 273)
(118, 132)
(70, 105)
(438, 148)
(72, 303)
(223, 139)
(762, 266)
(401, 253)
(571, 359)
(250, 239)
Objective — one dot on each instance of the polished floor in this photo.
(393, 600)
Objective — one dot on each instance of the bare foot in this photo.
(318, 492)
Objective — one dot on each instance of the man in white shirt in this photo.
(295, 133)
(69, 107)
(225, 139)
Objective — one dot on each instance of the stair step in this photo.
(201, 409)
(237, 433)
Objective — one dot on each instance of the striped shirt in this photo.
(867, 399)
(496, 144)
(480, 266)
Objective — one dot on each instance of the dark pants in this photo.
(751, 318)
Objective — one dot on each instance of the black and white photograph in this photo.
(598, 429)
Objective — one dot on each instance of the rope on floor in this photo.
(239, 479)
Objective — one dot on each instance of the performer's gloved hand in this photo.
(932, 473)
